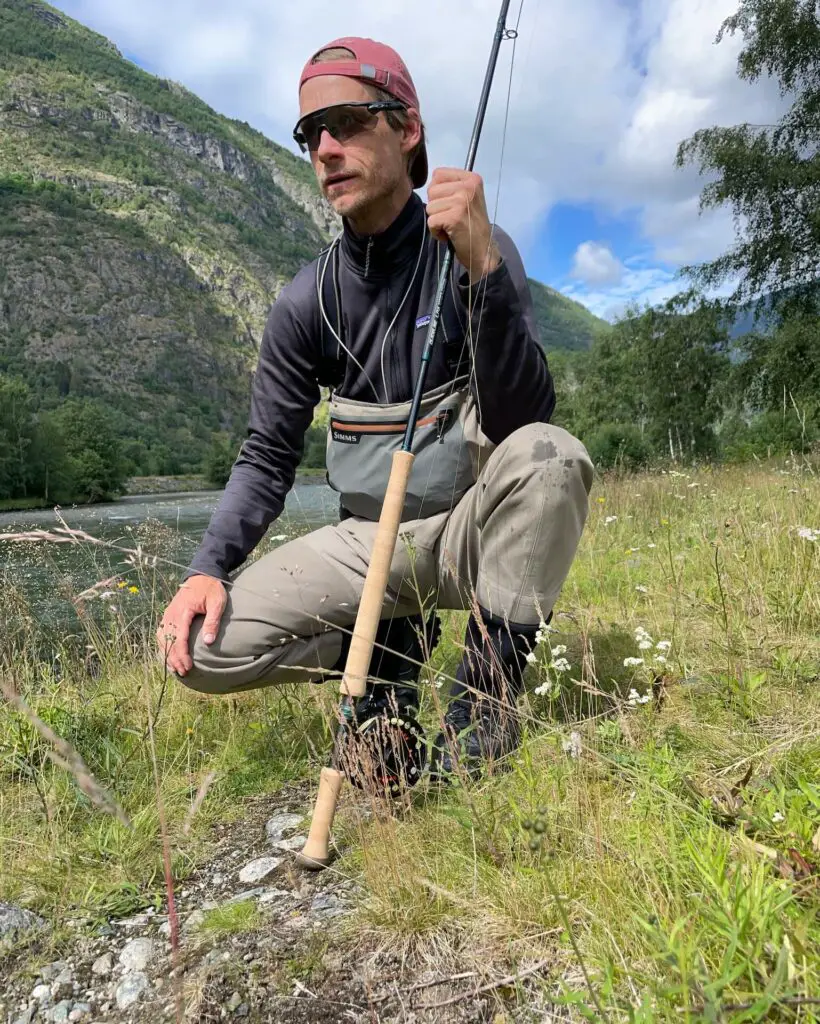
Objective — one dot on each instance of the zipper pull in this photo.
(442, 422)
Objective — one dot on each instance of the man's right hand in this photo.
(198, 595)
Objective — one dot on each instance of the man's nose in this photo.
(328, 148)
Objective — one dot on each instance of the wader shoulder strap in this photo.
(331, 369)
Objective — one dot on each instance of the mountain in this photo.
(143, 237)
(563, 323)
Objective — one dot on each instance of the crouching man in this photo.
(498, 497)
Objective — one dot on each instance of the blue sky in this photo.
(601, 94)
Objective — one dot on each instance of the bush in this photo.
(219, 460)
(618, 444)
(315, 448)
(770, 433)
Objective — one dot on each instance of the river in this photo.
(47, 575)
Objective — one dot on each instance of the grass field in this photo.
(657, 840)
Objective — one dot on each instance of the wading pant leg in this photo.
(511, 540)
(287, 611)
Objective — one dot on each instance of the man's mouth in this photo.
(337, 179)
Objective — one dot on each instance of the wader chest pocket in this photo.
(364, 436)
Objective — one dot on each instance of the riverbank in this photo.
(651, 855)
(138, 486)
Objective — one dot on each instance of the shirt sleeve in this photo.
(511, 380)
(284, 394)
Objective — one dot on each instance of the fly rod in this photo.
(315, 855)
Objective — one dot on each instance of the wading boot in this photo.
(481, 725)
(385, 741)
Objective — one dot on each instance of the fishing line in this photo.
(401, 304)
(320, 284)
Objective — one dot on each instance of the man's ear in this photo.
(412, 130)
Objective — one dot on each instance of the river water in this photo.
(169, 526)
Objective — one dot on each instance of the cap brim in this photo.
(419, 170)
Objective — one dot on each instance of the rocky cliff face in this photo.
(143, 237)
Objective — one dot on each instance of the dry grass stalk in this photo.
(66, 757)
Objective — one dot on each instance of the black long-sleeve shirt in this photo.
(392, 275)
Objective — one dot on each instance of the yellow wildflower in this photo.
(601, 500)
(122, 584)
(133, 590)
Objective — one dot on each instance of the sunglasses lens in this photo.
(342, 123)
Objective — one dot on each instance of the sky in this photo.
(586, 112)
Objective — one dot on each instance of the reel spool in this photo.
(384, 753)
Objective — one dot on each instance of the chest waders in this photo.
(435, 417)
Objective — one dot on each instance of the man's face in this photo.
(355, 174)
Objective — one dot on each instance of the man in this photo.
(498, 497)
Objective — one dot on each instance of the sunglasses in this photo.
(342, 121)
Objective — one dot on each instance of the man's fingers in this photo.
(215, 608)
(442, 174)
(442, 190)
(174, 640)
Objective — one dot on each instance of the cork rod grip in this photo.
(315, 854)
(354, 681)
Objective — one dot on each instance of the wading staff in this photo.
(315, 854)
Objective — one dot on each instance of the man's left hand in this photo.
(456, 211)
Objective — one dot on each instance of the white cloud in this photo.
(594, 264)
(640, 284)
(602, 94)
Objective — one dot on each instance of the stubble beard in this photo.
(381, 184)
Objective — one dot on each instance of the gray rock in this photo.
(59, 1014)
(243, 1010)
(325, 904)
(246, 894)
(272, 896)
(103, 965)
(50, 971)
(63, 984)
(42, 993)
(287, 845)
(234, 1002)
(137, 954)
(16, 922)
(193, 922)
(279, 824)
(26, 1017)
(80, 1010)
(130, 990)
(259, 869)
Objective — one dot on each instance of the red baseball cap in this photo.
(374, 64)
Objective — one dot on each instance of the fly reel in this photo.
(383, 753)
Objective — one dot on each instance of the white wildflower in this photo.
(807, 533)
(651, 545)
(646, 697)
(777, 817)
(532, 657)
(663, 645)
(632, 662)
(280, 536)
(559, 649)
(645, 645)
(633, 694)
(642, 589)
(610, 519)
(572, 746)
(543, 689)
(438, 682)
(694, 484)
(106, 595)
(661, 660)
(560, 665)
